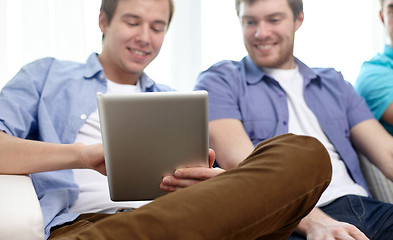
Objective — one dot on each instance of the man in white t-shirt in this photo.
(49, 125)
(270, 92)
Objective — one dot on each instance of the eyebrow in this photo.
(130, 15)
(247, 18)
(277, 14)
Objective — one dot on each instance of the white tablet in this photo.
(147, 135)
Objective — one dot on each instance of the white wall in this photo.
(67, 29)
(202, 33)
(3, 46)
(221, 33)
(340, 34)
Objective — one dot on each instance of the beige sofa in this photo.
(20, 213)
(380, 187)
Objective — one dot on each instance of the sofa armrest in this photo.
(20, 211)
(381, 188)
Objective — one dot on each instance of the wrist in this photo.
(74, 156)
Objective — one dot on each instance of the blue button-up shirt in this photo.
(49, 100)
(241, 90)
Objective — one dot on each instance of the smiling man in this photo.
(132, 39)
(54, 102)
(269, 36)
(270, 92)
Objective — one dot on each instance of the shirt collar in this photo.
(94, 67)
(254, 74)
(388, 51)
(307, 73)
(146, 82)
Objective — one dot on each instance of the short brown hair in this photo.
(295, 5)
(109, 7)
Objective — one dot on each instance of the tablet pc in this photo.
(148, 135)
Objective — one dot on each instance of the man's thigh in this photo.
(77, 225)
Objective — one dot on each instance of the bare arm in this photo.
(318, 225)
(230, 142)
(371, 139)
(20, 156)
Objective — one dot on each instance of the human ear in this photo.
(299, 20)
(381, 16)
(102, 22)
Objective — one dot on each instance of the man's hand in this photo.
(337, 231)
(93, 157)
(184, 177)
(319, 226)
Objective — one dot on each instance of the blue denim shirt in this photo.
(241, 90)
(49, 100)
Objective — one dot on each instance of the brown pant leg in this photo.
(265, 197)
(77, 225)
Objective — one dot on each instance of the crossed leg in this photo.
(264, 197)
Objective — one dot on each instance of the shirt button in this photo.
(102, 76)
(285, 123)
(83, 116)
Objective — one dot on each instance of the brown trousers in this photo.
(265, 197)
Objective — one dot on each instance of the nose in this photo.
(262, 30)
(143, 35)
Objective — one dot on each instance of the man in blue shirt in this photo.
(49, 125)
(270, 92)
(375, 82)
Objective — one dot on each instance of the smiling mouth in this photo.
(138, 52)
(264, 47)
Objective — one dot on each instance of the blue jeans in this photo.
(372, 217)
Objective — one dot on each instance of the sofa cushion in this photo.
(380, 187)
(20, 211)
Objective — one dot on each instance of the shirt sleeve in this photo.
(356, 107)
(19, 100)
(222, 82)
(375, 85)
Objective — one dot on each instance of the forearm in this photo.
(230, 158)
(318, 225)
(316, 216)
(20, 156)
(374, 142)
(230, 142)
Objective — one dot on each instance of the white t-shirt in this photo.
(94, 189)
(302, 121)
